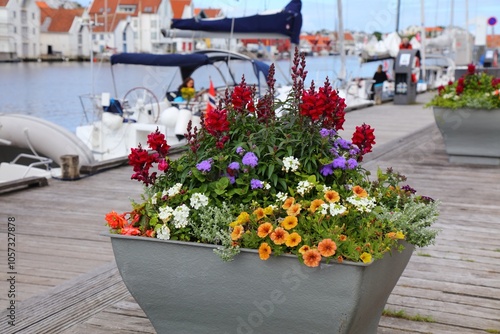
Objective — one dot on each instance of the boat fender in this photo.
(169, 116)
(182, 122)
(112, 121)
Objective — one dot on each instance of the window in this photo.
(93, 37)
(101, 37)
(13, 14)
(126, 9)
(153, 23)
(148, 9)
(154, 35)
(33, 15)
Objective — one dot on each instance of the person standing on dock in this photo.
(380, 76)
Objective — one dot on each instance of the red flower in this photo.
(130, 230)
(325, 106)
(364, 139)
(142, 161)
(471, 69)
(242, 97)
(440, 89)
(216, 122)
(157, 142)
(460, 89)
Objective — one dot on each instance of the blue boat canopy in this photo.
(188, 63)
(287, 22)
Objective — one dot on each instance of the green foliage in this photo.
(472, 91)
(401, 314)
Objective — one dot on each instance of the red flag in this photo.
(211, 97)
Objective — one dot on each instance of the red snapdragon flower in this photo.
(157, 142)
(364, 138)
(242, 97)
(216, 122)
(471, 69)
(142, 161)
(440, 89)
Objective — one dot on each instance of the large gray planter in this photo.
(186, 288)
(470, 135)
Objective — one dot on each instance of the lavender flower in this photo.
(327, 132)
(339, 162)
(256, 184)
(205, 166)
(232, 179)
(342, 143)
(352, 163)
(250, 159)
(326, 170)
(234, 166)
(240, 150)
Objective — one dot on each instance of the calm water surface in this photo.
(51, 90)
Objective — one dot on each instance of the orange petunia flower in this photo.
(264, 251)
(264, 230)
(332, 196)
(366, 257)
(115, 220)
(360, 192)
(327, 247)
(312, 258)
(289, 222)
(237, 232)
(288, 203)
(279, 236)
(315, 205)
(259, 213)
(342, 237)
(340, 259)
(304, 249)
(294, 210)
(293, 239)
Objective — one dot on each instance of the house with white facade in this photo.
(19, 29)
(63, 33)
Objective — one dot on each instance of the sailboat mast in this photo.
(342, 74)
(397, 15)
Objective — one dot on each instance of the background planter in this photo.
(186, 288)
(470, 135)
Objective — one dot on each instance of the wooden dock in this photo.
(67, 281)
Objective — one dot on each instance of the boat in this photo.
(116, 123)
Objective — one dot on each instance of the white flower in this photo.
(281, 196)
(290, 164)
(181, 214)
(165, 213)
(324, 208)
(326, 189)
(154, 199)
(266, 185)
(362, 204)
(173, 191)
(456, 97)
(163, 232)
(304, 187)
(199, 200)
(486, 94)
(333, 209)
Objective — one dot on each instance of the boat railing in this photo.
(91, 106)
(42, 161)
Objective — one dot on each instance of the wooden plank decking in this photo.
(66, 281)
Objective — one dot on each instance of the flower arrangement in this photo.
(187, 93)
(286, 184)
(473, 90)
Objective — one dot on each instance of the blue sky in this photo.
(368, 15)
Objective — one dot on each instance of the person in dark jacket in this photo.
(380, 76)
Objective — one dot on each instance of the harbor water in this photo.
(52, 91)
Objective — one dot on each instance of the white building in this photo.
(19, 29)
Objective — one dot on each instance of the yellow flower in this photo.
(304, 249)
(259, 213)
(288, 203)
(237, 232)
(360, 192)
(400, 235)
(269, 210)
(264, 251)
(243, 218)
(315, 205)
(289, 222)
(294, 210)
(264, 230)
(293, 239)
(332, 196)
(366, 257)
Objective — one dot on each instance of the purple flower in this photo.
(256, 184)
(342, 143)
(232, 179)
(205, 165)
(408, 188)
(250, 159)
(339, 162)
(352, 163)
(326, 170)
(327, 132)
(354, 151)
(234, 166)
(240, 150)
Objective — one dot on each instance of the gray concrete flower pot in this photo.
(471, 136)
(186, 288)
